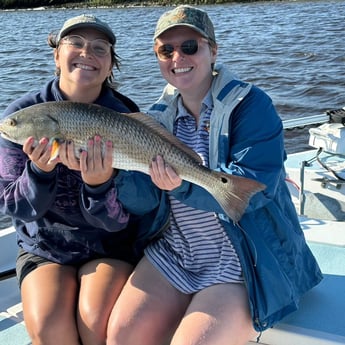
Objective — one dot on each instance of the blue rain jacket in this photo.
(246, 139)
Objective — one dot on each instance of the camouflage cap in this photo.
(86, 21)
(189, 16)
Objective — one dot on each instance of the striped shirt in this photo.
(195, 252)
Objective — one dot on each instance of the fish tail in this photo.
(234, 192)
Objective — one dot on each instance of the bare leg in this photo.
(49, 295)
(217, 315)
(148, 309)
(101, 282)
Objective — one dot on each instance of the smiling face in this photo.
(187, 72)
(81, 69)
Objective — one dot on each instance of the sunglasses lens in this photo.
(165, 51)
(189, 47)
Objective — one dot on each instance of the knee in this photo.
(51, 333)
(91, 321)
(115, 338)
(119, 333)
(115, 335)
(39, 333)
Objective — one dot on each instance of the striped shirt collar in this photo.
(207, 104)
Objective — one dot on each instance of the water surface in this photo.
(295, 51)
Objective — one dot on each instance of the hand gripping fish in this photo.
(136, 138)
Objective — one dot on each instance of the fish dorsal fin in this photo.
(160, 130)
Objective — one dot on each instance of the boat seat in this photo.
(319, 320)
(320, 317)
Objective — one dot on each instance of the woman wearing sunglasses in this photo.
(76, 245)
(208, 280)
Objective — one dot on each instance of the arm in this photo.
(25, 192)
(98, 195)
(137, 193)
(256, 145)
(101, 207)
(256, 150)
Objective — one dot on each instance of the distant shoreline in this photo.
(25, 5)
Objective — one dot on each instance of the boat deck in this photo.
(320, 318)
(12, 328)
(319, 321)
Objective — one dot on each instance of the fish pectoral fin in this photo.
(55, 149)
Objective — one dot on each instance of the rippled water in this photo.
(295, 51)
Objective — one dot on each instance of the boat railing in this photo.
(333, 115)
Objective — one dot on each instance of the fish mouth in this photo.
(8, 137)
(4, 135)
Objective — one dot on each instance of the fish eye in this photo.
(12, 122)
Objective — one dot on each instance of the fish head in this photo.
(25, 123)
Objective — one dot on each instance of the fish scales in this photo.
(136, 139)
(134, 144)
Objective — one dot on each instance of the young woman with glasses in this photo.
(76, 244)
(209, 280)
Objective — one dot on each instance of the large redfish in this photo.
(136, 139)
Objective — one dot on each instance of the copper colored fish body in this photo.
(136, 138)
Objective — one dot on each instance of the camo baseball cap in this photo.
(86, 21)
(189, 16)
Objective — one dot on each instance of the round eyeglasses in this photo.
(99, 47)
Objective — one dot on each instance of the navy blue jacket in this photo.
(55, 214)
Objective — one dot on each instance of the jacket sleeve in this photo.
(101, 208)
(257, 145)
(23, 193)
(255, 150)
(137, 193)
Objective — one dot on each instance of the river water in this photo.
(294, 50)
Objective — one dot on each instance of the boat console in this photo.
(316, 178)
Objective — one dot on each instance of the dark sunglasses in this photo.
(189, 47)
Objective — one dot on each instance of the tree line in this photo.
(23, 4)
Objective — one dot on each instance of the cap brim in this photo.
(108, 33)
(202, 33)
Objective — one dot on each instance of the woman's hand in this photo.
(163, 175)
(95, 167)
(40, 154)
(67, 156)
